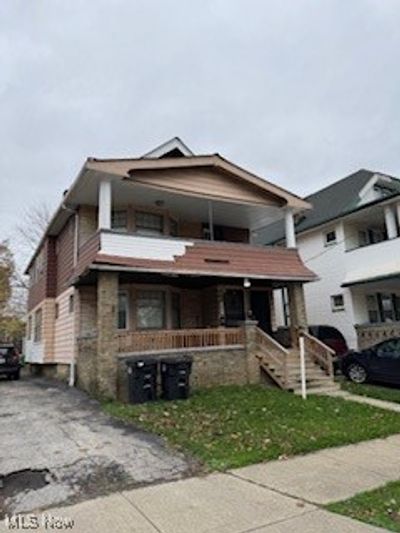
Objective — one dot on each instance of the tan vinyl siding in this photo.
(64, 330)
(206, 183)
(42, 351)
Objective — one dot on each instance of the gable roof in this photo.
(331, 202)
(175, 147)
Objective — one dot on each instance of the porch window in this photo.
(383, 307)
(119, 219)
(234, 307)
(151, 310)
(123, 303)
(37, 332)
(149, 223)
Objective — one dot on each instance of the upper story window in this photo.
(119, 219)
(330, 238)
(151, 310)
(149, 223)
(37, 332)
(371, 236)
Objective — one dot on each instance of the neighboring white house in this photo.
(351, 241)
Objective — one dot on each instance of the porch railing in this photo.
(143, 341)
(370, 334)
(319, 352)
(273, 357)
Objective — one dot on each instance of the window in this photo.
(29, 328)
(383, 307)
(71, 303)
(119, 219)
(337, 302)
(176, 310)
(56, 311)
(149, 223)
(233, 307)
(330, 238)
(173, 227)
(370, 236)
(151, 310)
(123, 303)
(389, 349)
(37, 334)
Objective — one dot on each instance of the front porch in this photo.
(226, 325)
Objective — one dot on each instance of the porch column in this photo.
(104, 220)
(107, 306)
(390, 222)
(297, 310)
(289, 229)
(398, 214)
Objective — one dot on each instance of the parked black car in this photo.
(379, 363)
(10, 364)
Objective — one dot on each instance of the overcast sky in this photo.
(301, 92)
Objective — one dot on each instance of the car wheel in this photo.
(357, 373)
(16, 376)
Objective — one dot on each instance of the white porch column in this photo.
(390, 222)
(289, 229)
(398, 213)
(104, 221)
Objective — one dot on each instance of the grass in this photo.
(380, 507)
(373, 391)
(233, 426)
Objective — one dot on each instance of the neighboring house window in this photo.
(123, 304)
(151, 310)
(57, 311)
(176, 310)
(29, 328)
(337, 302)
(330, 238)
(37, 334)
(119, 219)
(383, 307)
(71, 303)
(149, 223)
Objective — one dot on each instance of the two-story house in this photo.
(154, 255)
(351, 241)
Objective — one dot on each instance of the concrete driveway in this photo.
(57, 447)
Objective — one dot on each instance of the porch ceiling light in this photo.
(246, 283)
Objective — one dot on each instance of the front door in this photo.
(260, 307)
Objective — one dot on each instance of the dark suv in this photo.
(10, 364)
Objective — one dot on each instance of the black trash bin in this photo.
(142, 379)
(175, 376)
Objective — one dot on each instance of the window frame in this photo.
(38, 326)
(163, 299)
(121, 228)
(337, 307)
(124, 293)
(330, 242)
(148, 231)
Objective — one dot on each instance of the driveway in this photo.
(57, 446)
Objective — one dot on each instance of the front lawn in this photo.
(380, 507)
(372, 391)
(233, 426)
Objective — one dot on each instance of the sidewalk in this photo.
(273, 497)
(375, 402)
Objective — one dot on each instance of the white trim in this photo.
(168, 146)
(104, 219)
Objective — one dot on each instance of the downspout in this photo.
(72, 366)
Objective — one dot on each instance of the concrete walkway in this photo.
(273, 497)
(383, 404)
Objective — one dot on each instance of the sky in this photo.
(300, 92)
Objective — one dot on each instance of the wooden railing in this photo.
(370, 334)
(143, 341)
(319, 352)
(274, 355)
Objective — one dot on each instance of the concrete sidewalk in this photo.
(375, 402)
(278, 496)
